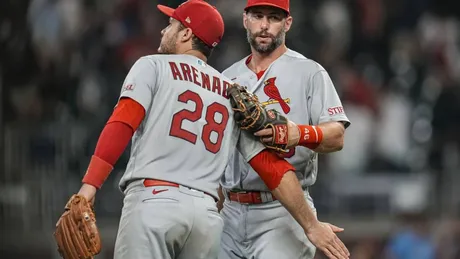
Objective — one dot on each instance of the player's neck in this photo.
(261, 61)
(195, 53)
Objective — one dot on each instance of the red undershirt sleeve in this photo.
(124, 121)
(270, 168)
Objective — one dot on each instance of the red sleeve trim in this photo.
(129, 112)
(271, 168)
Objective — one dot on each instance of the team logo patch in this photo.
(128, 87)
(201, 63)
(273, 93)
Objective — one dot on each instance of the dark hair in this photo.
(198, 44)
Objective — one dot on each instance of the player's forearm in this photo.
(290, 194)
(113, 140)
(279, 176)
(323, 138)
(333, 136)
(111, 143)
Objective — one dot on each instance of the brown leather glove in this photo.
(252, 116)
(77, 235)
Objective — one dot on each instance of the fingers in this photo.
(329, 254)
(266, 140)
(328, 242)
(264, 132)
(335, 250)
(342, 246)
(335, 228)
(337, 239)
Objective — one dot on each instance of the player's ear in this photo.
(185, 35)
(288, 23)
(245, 20)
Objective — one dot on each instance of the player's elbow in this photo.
(338, 137)
(339, 140)
(340, 144)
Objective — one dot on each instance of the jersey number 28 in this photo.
(211, 124)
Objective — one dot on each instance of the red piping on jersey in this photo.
(260, 73)
(270, 167)
(125, 119)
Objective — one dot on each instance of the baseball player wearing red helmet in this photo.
(255, 224)
(175, 109)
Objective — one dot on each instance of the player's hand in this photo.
(266, 135)
(88, 191)
(322, 235)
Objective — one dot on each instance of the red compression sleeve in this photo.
(113, 140)
(270, 168)
(310, 136)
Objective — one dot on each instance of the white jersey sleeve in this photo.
(248, 145)
(323, 101)
(141, 82)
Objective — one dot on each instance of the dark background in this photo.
(395, 64)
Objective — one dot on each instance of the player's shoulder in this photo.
(146, 61)
(298, 61)
(237, 68)
(157, 58)
(190, 60)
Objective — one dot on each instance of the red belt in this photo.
(253, 197)
(154, 182)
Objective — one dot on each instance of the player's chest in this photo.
(285, 93)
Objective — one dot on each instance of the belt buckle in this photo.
(257, 197)
(238, 198)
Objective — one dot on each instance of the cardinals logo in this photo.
(271, 90)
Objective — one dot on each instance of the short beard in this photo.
(277, 40)
(169, 47)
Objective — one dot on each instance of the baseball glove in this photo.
(252, 116)
(77, 235)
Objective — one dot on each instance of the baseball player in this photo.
(176, 110)
(255, 223)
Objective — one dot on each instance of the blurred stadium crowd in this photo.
(395, 63)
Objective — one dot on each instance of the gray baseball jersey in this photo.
(302, 90)
(188, 134)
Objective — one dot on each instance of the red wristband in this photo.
(97, 172)
(310, 136)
